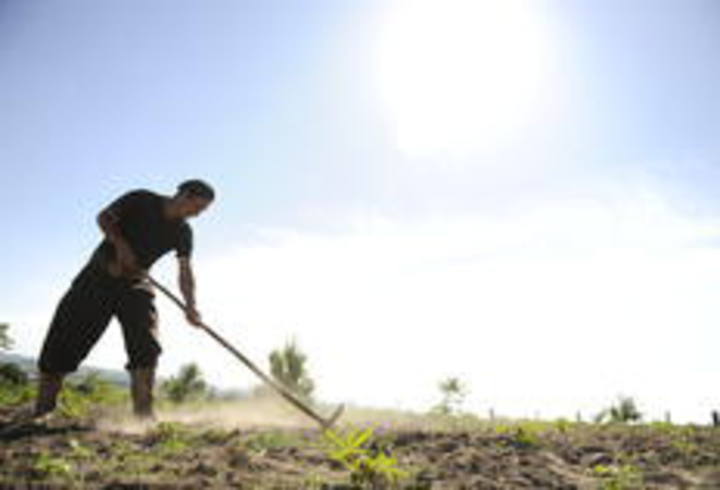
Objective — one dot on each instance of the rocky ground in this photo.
(70, 453)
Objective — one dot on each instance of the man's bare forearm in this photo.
(109, 225)
(187, 285)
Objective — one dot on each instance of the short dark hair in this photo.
(197, 188)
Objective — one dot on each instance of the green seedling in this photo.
(264, 441)
(73, 404)
(624, 477)
(11, 395)
(563, 426)
(686, 447)
(172, 437)
(526, 434)
(80, 452)
(54, 467)
(527, 437)
(366, 466)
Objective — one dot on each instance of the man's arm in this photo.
(187, 288)
(125, 264)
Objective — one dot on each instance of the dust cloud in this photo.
(252, 413)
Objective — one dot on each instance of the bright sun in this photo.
(458, 76)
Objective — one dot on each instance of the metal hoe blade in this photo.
(325, 423)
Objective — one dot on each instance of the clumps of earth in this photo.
(71, 453)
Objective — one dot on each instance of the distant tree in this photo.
(453, 392)
(14, 381)
(5, 340)
(90, 383)
(12, 374)
(623, 412)
(287, 366)
(188, 384)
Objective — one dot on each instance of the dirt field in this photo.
(64, 453)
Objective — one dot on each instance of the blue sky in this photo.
(506, 190)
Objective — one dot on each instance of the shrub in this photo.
(82, 395)
(188, 384)
(287, 366)
(5, 340)
(623, 412)
(453, 396)
(12, 374)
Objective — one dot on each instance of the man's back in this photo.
(141, 218)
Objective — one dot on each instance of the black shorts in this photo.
(85, 312)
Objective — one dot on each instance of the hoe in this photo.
(325, 423)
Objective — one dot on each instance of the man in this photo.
(139, 228)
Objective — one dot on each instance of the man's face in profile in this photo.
(191, 206)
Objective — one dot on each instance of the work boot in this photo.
(49, 387)
(141, 390)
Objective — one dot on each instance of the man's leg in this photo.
(138, 317)
(49, 386)
(80, 319)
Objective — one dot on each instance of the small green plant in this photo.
(527, 437)
(78, 451)
(84, 395)
(73, 404)
(82, 457)
(313, 481)
(624, 477)
(563, 426)
(121, 448)
(53, 467)
(367, 466)
(684, 442)
(663, 426)
(263, 441)
(130, 460)
(215, 436)
(172, 437)
(526, 433)
(16, 395)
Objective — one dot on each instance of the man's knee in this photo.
(57, 366)
(57, 358)
(144, 357)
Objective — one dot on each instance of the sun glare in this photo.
(458, 76)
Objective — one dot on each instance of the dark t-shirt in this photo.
(148, 232)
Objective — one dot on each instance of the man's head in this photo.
(192, 198)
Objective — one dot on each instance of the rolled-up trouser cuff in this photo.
(138, 318)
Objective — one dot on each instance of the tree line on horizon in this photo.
(288, 366)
